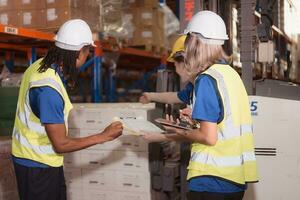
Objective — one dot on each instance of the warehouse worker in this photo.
(40, 131)
(222, 153)
(183, 96)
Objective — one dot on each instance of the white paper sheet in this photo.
(135, 126)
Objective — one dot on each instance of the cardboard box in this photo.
(89, 119)
(29, 4)
(10, 18)
(124, 142)
(131, 161)
(100, 195)
(141, 3)
(98, 179)
(149, 27)
(75, 194)
(99, 160)
(32, 18)
(55, 17)
(6, 5)
(57, 3)
(110, 160)
(133, 195)
(98, 116)
(73, 178)
(133, 182)
(59, 12)
(73, 160)
(148, 36)
(148, 16)
(117, 180)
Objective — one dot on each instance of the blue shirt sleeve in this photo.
(47, 104)
(208, 105)
(185, 94)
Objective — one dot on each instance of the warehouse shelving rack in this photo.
(35, 44)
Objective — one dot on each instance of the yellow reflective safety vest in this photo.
(30, 139)
(233, 157)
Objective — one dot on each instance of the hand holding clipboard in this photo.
(180, 125)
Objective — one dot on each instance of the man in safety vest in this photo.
(41, 123)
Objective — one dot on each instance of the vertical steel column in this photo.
(112, 85)
(247, 39)
(32, 55)
(213, 6)
(97, 73)
(9, 61)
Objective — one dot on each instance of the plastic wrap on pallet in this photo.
(171, 21)
(8, 79)
(149, 25)
(116, 23)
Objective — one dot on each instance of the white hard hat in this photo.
(73, 35)
(209, 26)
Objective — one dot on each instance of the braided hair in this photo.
(66, 59)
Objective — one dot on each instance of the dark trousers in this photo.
(214, 196)
(40, 183)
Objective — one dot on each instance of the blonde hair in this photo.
(200, 56)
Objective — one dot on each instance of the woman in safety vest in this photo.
(222, 152)
(40, 130)
(183, 96)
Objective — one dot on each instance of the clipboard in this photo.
(181, 125)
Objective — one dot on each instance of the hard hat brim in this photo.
(170, 58)
(93, 44)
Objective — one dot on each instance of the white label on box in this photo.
(3, 2)
(50, 1)
(147, 34)
(4, 19)
(27, 18)
(51, 14)
(25, 1)
(147, 15)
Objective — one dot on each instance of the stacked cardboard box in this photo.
(143, 23)
(141, 3)
(48, 14)
(59, 11)
(152, 24)
(116, 170)
(148, 26)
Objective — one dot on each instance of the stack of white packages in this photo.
(116, 170)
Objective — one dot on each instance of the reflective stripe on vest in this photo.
(228, 161)
(40, 149)
(46, 81)
(25, 117)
